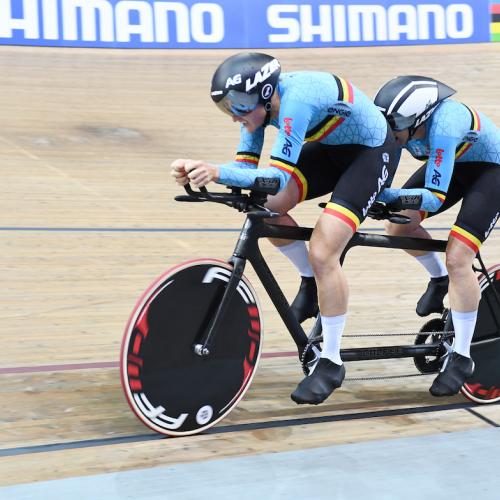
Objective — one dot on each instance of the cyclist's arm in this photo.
(430, 202)
(437, 176)
(249, 149)
(235, 176)
(397, 158)
(284, 154)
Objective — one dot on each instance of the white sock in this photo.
(464, 324)
(433, 264)
(333, 327)
(297, 254)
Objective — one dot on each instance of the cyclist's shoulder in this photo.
(451, 110)
(307, 82)
(304, 76)
(450, 118)
(317, 88)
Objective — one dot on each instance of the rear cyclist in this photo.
(331, 139)
(461, 151)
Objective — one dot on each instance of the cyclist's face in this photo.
(402, 137)
(252, 120)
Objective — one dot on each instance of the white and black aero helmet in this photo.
(407, 101)
(244, 81)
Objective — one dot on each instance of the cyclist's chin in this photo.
(250, 127)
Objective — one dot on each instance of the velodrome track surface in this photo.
(88, 220)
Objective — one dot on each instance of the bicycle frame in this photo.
(247, 249)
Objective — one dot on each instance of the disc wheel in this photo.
(484, 385)
(170, 388)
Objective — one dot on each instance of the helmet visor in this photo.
(399, 122)
(238, 103)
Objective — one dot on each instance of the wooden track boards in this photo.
(86, 143)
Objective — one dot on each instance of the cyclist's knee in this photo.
(284, 201)
(458, 260)
(400, 229)
(405, 229)
(392, 229)
(323, 257)
(279, 208)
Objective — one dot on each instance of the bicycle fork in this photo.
(247, 249)
(207, 339)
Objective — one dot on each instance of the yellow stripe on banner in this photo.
(344, 211)
(495, 28)
(467, 235)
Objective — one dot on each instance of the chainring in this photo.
(431, 364)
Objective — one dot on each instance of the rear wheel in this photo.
(484, 386)
(170, 388)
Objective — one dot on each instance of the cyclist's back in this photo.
(469, 134)
(325, 102)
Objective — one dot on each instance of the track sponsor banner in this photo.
(242, 23)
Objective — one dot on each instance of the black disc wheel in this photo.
(172, 389)
(484, 386)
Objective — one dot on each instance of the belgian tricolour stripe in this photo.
(346, 93)
(344, 214)
(331, 122)
(439, 195)
(475, 126)
(296, 174)
(245, 157)
(465, 237)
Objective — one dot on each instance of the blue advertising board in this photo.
(242, 23)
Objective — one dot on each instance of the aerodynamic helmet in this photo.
(244, 81)
(408, 101)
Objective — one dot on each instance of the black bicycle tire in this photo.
(210, 374)
(484, 387)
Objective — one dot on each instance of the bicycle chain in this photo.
(433, 332)
(392, 377)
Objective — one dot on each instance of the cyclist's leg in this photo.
(476, 218)
(353, 195)
(304, 184)
(313, 176)
(437, 288)
(413, 228)
(305, 303)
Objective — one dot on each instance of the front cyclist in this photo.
(331, 139)
(461, 150)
